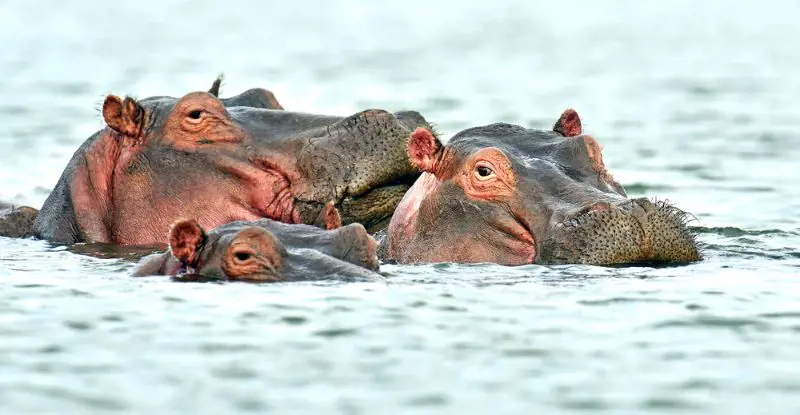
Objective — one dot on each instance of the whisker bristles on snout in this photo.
(684, 218)
(636, 231)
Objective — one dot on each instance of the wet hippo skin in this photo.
(264, 251)
(222, 160)
(507, 194)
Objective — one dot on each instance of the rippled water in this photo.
(694, 102)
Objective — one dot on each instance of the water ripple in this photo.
(714, 321)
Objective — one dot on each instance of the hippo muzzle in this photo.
(634, 231)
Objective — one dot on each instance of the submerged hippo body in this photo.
(506, 194)
(222, 160)
(265, 251)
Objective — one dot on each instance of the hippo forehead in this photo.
(252, 98)
(158, 108)
(290, 235)
(222, 236)
(519, 144)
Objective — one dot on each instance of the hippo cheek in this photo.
(434, 223)
(520, 248)
(405, 222)
(489, 245)
(502, 238)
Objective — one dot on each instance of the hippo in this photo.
(16, 221)
(222, 160)
(511, 195)
(264, 250)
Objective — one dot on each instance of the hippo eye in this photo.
(484, 172)
(242, 256)
(195, 115)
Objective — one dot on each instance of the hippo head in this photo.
(16, 221)
(264, 251)
(506, 194)
(221, 160)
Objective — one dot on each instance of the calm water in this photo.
(695, 102)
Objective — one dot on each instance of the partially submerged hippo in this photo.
(264, 251)
(222, 160)
(506, 194)
(16, 221)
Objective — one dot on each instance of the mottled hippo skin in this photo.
(222, 160)
(264, 251)
(506, 194)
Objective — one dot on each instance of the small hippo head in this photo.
(16, 221)
(221, 160)
(506, 194)
(264, 251)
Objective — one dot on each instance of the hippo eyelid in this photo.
(243, 256)
(484, 170)
(195, 116)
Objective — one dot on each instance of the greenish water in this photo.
(694, 102)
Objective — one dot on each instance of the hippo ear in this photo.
(216, 85)
(569, 124)
(125, 117)
(330, 216)
(424, 149)
(186, 238)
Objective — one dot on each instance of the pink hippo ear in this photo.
(330, 216)
(186, 237)
(424, 150)
(569, 124)
(125, 117)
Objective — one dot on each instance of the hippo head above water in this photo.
(506, 194)
(264, 251)
(221, 160)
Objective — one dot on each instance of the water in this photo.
(694, 102)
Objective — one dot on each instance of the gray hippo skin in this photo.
(506, 194)
(265, 251)
(221, 160)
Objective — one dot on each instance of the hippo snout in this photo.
(633, 231)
